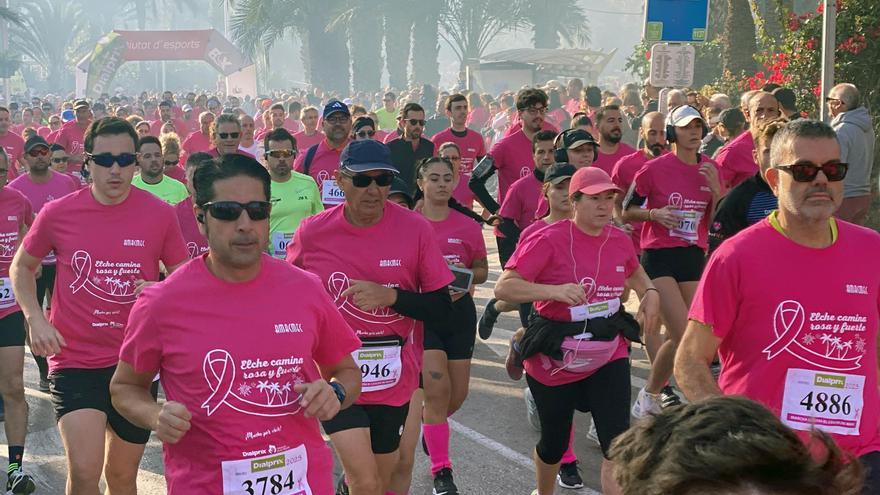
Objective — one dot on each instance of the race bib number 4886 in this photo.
(831, 402)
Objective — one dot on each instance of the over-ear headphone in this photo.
(670, 129)
(200, 218)
(560, 153)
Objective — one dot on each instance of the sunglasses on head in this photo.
(420, 122)
(363, 134)
(228, 135)
(281, 153)
(363, 180)
(107, 160)
(231, 210)
(807, 171)
(39, 152)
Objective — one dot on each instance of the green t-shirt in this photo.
(169, 190)
(387, 120)
(292, 201)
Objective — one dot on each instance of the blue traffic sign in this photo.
(682, 21)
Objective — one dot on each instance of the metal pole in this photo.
(4, 44)
(829, 44)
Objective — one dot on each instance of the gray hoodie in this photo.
(856, 135)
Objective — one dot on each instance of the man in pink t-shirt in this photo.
(199, 140)
(609, 122)
(166, 114)
(790, 306)
(470, 143)
(11, 142)
(735, 160)
(384, 270)
(521, 202)
(72, 135)
(234, 403)
(321, 161)
(310, 135)
(109, 240)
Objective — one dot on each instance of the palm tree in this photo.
(399, 20)
(740, 43)
(552, 20)
(426, 43)
(10, 16)
(49, 36)
(470, 25)
(364, 23)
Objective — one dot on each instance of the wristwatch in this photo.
(339, 390)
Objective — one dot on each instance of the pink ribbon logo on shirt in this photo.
(118, 291)
(589, 286)
(193, 249)
(322, 176)
(675, 200)
(221, 373)
(788, 324)
(338, 283)
(524, 171)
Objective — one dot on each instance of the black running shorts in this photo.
(385, 424)
(684, 264)
(12, 333)
(73, 389)
(456, 337)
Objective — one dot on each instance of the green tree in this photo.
(426, 43)
(399, 21)
(553, 21)
(468, 26)
(739, 39)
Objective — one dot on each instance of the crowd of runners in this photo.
(301, 267)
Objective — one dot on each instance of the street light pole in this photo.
(829, 44)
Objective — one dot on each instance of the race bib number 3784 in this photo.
(284, 473)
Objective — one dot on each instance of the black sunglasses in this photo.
(107, 160)
(807, 171)
(415, 122)
(363, 134)
(231, 210)
(61, 160)
(169, 163)
(363, 180)
(228, 135)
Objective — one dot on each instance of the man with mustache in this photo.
(609, 121)
(321, 161)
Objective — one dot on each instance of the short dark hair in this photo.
(542, 136)
(411, 107)
(294, 107)
(530, 97)
(148, 140)
(196, 159)
(783, 141)
(738, 443)
(454, 98)
(580, 120)
(786, 98)
(227, 167)
(108, 126)
(56, 147)
(593, 95)
(277, 106)
(600, 114)
(280, 134)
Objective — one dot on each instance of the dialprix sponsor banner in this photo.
(109, 54)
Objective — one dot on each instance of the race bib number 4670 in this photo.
(284, 473)
(831, 402)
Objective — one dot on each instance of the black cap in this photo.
(398, 186)
(362, 122)
(334, 106)
(80, 104)
(558, 172)
(366, 155)
(577, 137)
(35, 141)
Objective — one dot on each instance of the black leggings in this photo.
(605, 394)
(45, 284)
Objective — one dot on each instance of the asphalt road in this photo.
(491, 442)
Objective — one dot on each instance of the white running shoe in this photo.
(646, 404)
(532, 410)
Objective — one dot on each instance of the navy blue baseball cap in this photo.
(366, 155)
(334, 106)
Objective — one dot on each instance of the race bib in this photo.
(831, 402)
(279, 242)
(689, 221)
(7, 297)
(331, 194)
(599, 309)
(275, 474)
(50, 258)
(380, 364)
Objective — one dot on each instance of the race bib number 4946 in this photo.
(284, 473)
(831, 402)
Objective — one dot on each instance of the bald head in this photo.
(848, 94)
(654, 133)
(650, 119)
(763, 107)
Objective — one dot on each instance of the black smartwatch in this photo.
(339, 390)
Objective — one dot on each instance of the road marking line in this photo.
(503, 450)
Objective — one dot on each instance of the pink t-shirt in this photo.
(573, 106)
(304, 142)
(194, 143)
(521, 201)
(529, 231)
(179, 126)
(460, 238)
(196, 243)
(72, 138)
(325, 163)
(669, 181)
(13, 144)
(96, 274)
(561, 253)
(292, 125)
(622, 175)
(472, 147)
(477, 118)
(176, 173)
(59, 185)
(17, 211)
(735, 160)
(44, 131)
(607, 162)
(400, 251)
(798, 328)
(240, 390)
(513, 159)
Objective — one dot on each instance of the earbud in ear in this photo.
(200, 218)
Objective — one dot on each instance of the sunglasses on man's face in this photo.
(807, 171)
(363, 180)
(231, 210)
(62, 159)
(107, 160)
(281, 153)
(228, 135)
(415, 122)
(39, 152)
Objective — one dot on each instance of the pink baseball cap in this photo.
(591, 180)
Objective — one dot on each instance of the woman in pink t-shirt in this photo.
(575, 347)
(450, 346)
